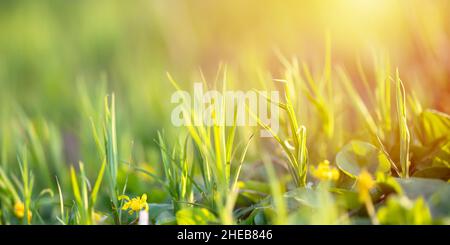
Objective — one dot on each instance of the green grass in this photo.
(204, 173)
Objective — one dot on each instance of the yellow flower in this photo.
(19, 211)
(97, 217)
(136, 204)
(325, 171)
(365, 183)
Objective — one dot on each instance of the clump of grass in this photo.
(215, 147)
(85, 195)
(27, 185)
(201, 175)
(16, 194)
(110, 142)
(297, 154)
(108, 152)
(179, 173)
(382, 135)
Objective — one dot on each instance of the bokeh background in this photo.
(53, 53)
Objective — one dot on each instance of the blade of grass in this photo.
(403, 127)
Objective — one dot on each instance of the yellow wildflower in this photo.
(97, 217)
(325, 171)
(19, 211)
(365, 183)
(135, 204)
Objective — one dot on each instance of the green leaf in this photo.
(442, 173)
(166, 218)
(442, 157)
(159, 208)
(195, 216)
(405, 136)
(302, 196)
(252, 191)
(402, 211)
(260, 219)
(417, 187)
(254, 186)
(388, 185)
(433, 131)
(347, 199)
(98, 182)
(359, 155)
(434, 155)
(433, 126)
(436, 193)
(75, 186)
(439, 203)
(320, 201)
